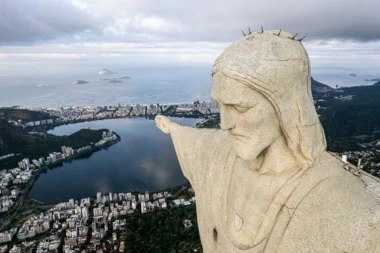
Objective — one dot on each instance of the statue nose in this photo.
(226, 124)
(226, 119)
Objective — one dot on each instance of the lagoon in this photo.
(144, 160)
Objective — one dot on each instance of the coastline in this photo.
(20, 202)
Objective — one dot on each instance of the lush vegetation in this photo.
(35, 146)
(163, 231)
(23, 114)
(12, 138)
(346, 121)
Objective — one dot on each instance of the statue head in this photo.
(263, 86)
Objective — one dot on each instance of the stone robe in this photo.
(325, 209)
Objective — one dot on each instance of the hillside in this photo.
(12, 137)
(320, 87)
(16, 114)
(353, 111)
(15, 140)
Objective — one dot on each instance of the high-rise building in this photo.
(98, 197)
(71, 203)
(46, 225)
(98, 211)
(84, 213)
(133, 205)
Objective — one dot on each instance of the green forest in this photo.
(36, 146)
(163, 231)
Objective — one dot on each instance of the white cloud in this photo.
(42, 56)
(156, 24)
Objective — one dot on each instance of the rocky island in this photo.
(105, 72)
(80, 82)
(115, 81)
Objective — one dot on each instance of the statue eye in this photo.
(241, 109)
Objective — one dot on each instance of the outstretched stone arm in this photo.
(194, 147)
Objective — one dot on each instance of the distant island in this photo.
(80, 82)
(105, 72)
(128, 77)
(372, 80)
(116, 79)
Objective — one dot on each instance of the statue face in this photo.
(247, 115)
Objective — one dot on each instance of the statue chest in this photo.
(240, 210)
(230, 208)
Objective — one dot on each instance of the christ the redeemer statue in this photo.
(264, 181)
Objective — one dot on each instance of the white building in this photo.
(15, 249)
(5, 237)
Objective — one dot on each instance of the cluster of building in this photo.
(61, 115)
(86, 223)
(369, 156)
(20, 123)
(7, 236)
(107, 137)
(34, 225)
(45, 245)
(156, 202)
(321, 96)
(344, 98)
(9, 186)
(19, 175)
(210, 107)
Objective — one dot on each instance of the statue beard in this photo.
(251, 151)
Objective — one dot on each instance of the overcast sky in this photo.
(342, 35)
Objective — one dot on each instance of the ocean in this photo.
(52, 86)
(146, 86)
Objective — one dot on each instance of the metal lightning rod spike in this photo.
(279, 32)
(294, 36)
(302, 38)
(262, 29)
(357, 169)
(249, 31)
(243, 33)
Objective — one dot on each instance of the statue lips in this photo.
(237, 136)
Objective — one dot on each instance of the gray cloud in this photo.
(29, 21)
(223, 20)
(172, 20)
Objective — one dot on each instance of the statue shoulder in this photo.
(340, 213)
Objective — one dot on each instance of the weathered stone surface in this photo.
(264, 182)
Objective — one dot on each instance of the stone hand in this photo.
(163, 123)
